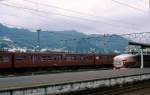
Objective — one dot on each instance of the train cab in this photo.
(124, 61)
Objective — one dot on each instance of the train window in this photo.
(68, 58)
(84, 58)
(59, 57)
(20, 58)
(78, 57)
(55, 58)
(89, 57)
(65, 58)
(73, 58)
(4, 59)
(104, 57)
(34, 58)
(49, 58)
(81, 58)
(44, 58)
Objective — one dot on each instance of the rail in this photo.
(125, 89)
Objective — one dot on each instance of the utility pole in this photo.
(142, 62)
(149, 7)
(38, 39)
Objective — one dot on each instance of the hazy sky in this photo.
(87, 16)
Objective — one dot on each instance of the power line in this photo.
(124, 4)
(24, 9)
(36, 15)
(79, 18)
(77, 12)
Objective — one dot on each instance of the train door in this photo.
(33, 60)
(20, 60)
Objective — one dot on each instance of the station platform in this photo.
(22, 82)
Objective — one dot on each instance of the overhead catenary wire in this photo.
(127, 5)
(43, 17)
(93, 37)
(77, 12)
(45, 12)
(71, 17)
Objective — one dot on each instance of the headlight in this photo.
(117, 62)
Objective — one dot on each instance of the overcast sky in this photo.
(86, 16)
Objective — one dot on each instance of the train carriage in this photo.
(130, 61)
(31, 60)
(49, 60)
(104, 60)
(6, 60)
(90, 59)
(24, 60)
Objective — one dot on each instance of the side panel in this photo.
(88, 59)
(104, 59)
(5, 60)
(49, 60)
(23, 60)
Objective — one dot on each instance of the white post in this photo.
(142, 63)
(149, 7)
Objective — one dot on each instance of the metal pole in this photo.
(149, 7)
(142, 63)
(39, 46)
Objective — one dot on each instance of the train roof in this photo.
(52, 52)
(143, 45)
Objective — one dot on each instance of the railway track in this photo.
(124, 89)
(115, 90)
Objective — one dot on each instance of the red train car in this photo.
(52, 59)
(25, 60)
(104, 59)
(6, 60)
(47, 59)
(64, 59)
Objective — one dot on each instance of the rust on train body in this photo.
(52, 59)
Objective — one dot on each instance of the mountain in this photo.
(61, 40)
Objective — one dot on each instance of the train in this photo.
(130, 61)
(23, 60)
